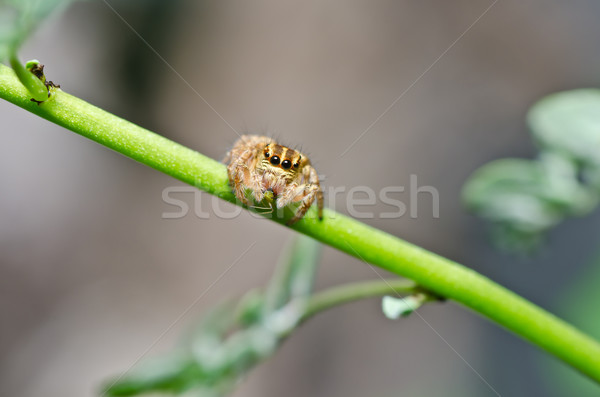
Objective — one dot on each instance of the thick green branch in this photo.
(434, 273)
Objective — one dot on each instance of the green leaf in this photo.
(19, 18)
(295, 273)
(250, 308)
(173, 374)
(513, 191)
(525, 198)
(569, 123)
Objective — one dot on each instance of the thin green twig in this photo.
(346, 293)
(434, 273)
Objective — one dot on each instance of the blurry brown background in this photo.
(91, 276)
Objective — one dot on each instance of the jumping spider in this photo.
(261, 165)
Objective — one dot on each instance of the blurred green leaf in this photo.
(519, 199)
(250, 308)
(19, 18)
(295, 273)
(523, 199)
(174, 374)
(234, 336)
(569, 123)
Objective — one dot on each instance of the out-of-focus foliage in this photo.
(19, 18)
(523, 199)
(233, 337)
(569, 123)
(578, 304)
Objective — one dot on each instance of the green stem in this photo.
(346, 293)
(35, 86)
(434, 273)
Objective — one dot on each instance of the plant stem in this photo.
(35, 86)
(434, 273)
(346, 293)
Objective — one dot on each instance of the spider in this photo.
(261, 165)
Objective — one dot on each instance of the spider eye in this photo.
(296, 165)
(286, 164)
(275, 160)
(267, 154)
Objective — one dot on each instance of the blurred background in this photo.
(91, 275)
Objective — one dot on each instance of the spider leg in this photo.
(292, 193)
(305, 193)
(268, 210)
(237, 171)
(239, 188)
(308, 197)
(253, 182)
(313, 179)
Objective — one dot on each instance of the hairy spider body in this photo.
(261, 165)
